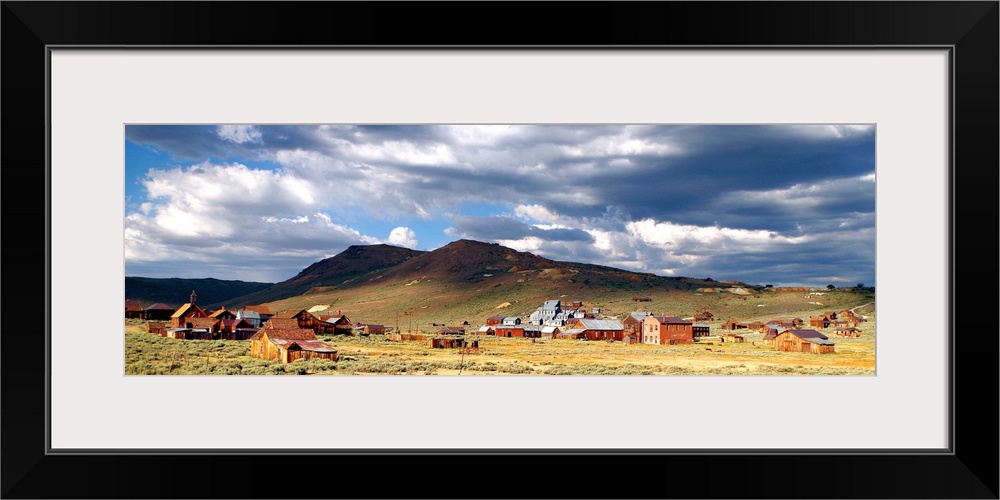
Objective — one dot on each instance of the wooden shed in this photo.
(819, 321)
(133, 309)
(847, 332)
(336, 324)
(157, 328)
(731, 337)
(809, 341)
(289, 344)
(734, 325)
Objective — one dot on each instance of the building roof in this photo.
(550, 329)
(305, 345)
(670, 320)
(202, 322)
(133, 305)
(497, 318)
(551, 304)
(220, 312)
(185, 309)
(573, 331)
(246, 313)
(258, 309)
(484, 328)
(640, 315)
(333, 320)
(282, 323)
(699, 325)
(600, 324)
(807, 334)
(285, 334)
(511, 318)
(159, 306)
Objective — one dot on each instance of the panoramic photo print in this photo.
(513, 250)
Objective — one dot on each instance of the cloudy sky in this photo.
(764, 204)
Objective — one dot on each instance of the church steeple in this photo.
(194, 297)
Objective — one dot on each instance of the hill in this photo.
(175, 291)
(339, 271)
(469, 280)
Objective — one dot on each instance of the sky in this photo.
(786, 205)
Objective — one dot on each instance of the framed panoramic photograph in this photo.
(726, 254)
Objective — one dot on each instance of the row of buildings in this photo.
(284, 339)
(551, 321)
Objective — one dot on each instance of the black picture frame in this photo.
(970, 29)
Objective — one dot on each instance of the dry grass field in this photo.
(376, 355)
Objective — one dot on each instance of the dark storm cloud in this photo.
(506, 228)
(704, 194)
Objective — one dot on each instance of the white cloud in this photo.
(403, 237)
(239, 133)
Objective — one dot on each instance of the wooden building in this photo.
(809, 341)
(699, 330)
(337, 324)
(819, 321)
(550, 332)
(847, 332)
(235, 329)
(666, 330)
(525, 331)
(185, 311)
(289, 344)
(494, 320)
(485, 330)
(263, 312)
(133, 309)
(157, 312)
(734, 325)
(223, 313)
(633, 322)
(731, 337)
(599, 329)
(704, 316)
(572, 333)
(370, 329)
(156, 328)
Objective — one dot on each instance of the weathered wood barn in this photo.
(235, 329)
(803, 341)
(847, 332)
(289, 344)
(157, 328)
(731, 337)
(819, 321)
(485, 330)
(734, 325)
(371, 329)
(667, 330)
(337, 324)
(133, 309)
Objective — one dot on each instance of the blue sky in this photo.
(788, 205)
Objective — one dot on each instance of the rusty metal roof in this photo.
(282, 323)
(258, 309)
(289, 333)
(807, 334)
(306, 345)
